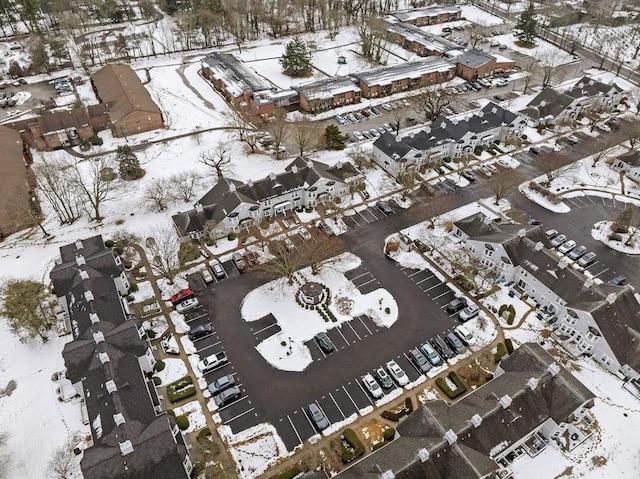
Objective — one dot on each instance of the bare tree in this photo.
(373, 39)
(251, 139)
(156, 195)
(53, 182)
(284, 262)
(554, 166)
(96, 181)
(218, 158)
(550, 67)
(433, 101)
(406, 180)
(361, 159)
(183, 186)
(63, 463)
(474, 33)
(279, 130)
(631, 132)
(323, 252)
(162, 251)
(598, 148)
(533, 71)
(501, 185)
(305, 133)
(594, 116)
(4, 458)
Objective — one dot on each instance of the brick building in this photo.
(475, 63)
(328, 93)
(430, 15)
(418, 41)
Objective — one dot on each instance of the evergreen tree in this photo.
(334, 139)
(128, 163)
(296, 59)
(25, 305)
(525, 29)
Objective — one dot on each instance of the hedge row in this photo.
(460, 386)
(356, 447)
(392, 416)
(500, 353)
(511, 312)
(552, 197)
(181, 389)
(509, 345)
(288, 474)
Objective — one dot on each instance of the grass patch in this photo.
(352, 447)
(288, 474)
(500, 352)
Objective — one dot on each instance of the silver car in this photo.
(317, 416)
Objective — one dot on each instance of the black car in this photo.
(384, 207)
(456, 305)
(200, 332)
(325, 342)
(534, 151)
(383, 378)
(442, 348)
(618, 280)
(534, 222)
(469, 176)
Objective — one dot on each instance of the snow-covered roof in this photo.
(415, 69)
(327, 88)
(237, 77)
(430, 11)
(419, 36)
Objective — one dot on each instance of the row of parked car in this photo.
(367, 113)
(369, 134)
(568, 247)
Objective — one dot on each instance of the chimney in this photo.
(532, 383)
(388, 475)
(486, 220)
(88, 296)
(522, 233)
(272, 176)
(553, 369)
(94, 318)
(199, 208)
(80, 261)
(249, 182)
(563, 263)
(84, 274)
(423, 455)
(232, 187)
(111, 386)
(98, 337)
(611, 298)
(539, 246)
(294, 169)
(310, 163)
(588, 283)
(451, 437)
(104, 358)
(79, 245)
(505, 401)
(125, 447)
(118, 418)
(476, 420)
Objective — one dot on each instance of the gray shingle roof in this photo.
(474, 58)
(548, 102)
(589, 87)
(416, 34)
(412, 69)
(392, 146)
(238, 77)
(631, 158)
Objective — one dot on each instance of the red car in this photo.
(181, 295)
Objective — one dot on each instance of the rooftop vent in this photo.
(80, 261)
(118, 418)
(88, 296)
(104, 357)
(198, 207)
(539, 246)
(111, 386)
(505, 401)
(79, 245)
(494, 110)
(451, 437)
(294, 169)
(476, 420)
(84, 274)
(532, 383)
(249, 182)
(98, 337)
(553, 369)
(522, 233)
(423, 455)
(388, 475)
(232, 187)
(611, 298)
(125, 447)
(94, 318)
(480, 114)
(486, 220)
(588, 283)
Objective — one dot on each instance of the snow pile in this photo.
(173, 370)
(157, 324)
(192, 409)
(336, 426)
(542, 201)
(602, 230)
(255, 449)
(178, 321)
(187, 345)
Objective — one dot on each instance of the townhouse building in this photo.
(629, 163)
(328, 93)
(431, 15)
(418, 41)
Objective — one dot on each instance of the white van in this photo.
(465, 335)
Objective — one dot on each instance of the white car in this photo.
(372, 386)
(206, 275)
(468, 313)
(359, 136)
(604, 128)
(289, 245)
(564, 248)
(397, 373)
(304, 233)
(465, 335)
(187, 305)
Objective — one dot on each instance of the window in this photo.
(606, 360)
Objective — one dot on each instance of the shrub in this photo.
(387, 310)
(618, 228)
(478, 150)
(540, 128)
(309, 209)
(159, 365)
(509, 345)
(357, 448)
(133, 288)
(447, 159)
(500, 353)
(393, 416)
(389, 434)
(171, 413)
(150, 333)
(524, 137)
(288, 474)
(96, 140)
(157, 381)
(130, 298)
(181, 389)
(378, 445)
(189, 251)
(109, 244)
(232, 236)
(615, 237)
(182, 422)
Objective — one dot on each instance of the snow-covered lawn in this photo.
(477, 15)
(174, 369)
(500, 297)
(286, 350)
(602, 230)
(544, 51)
(192, 409)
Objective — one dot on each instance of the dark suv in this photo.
(440, 346)
(200, 331)
(325, 342)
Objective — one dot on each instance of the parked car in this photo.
(317, 416)
(397, 373)
(239, 262)
(604, 128)
(587, 260)
(468, 313)
(187, 305)
(288, 244)
(199, 332)
(217, 269)
(431, 354)
(304, 233)
(387, 126)
(222, 383)
(383, 378)
(206, 276)
(533, 222)
(456, 305)
(567, 246)
(558, 240)
(618, 280)
(442, 348)
(420, 361)
(465, 335)
(340, 120)
(374, 132)
(181, 295)
(550, 234)
(372, 386)
(572, 140)
(375, 111)
(454, 343)
(499, 97)
(359, 136)
(534, 151)
(577, 253)
(367, 135)
(469, 175)
(502, 82)
(325, 342)
(384, 207)
(211, 362)
(381, 130)
(351, 117)
(227, 396)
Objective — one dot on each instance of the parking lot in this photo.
(366, 216)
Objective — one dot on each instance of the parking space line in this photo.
(425, 279)
(351, 217)
(362, 216)
(265, 328)
(339, 409)
(365, 392)
(441, 295)
(433, 287)
(354, 331)
(373, 214)
(294, 429)
(416, 272)
(210, 346)
(238, 416)
(345, 339)
(360, 276)
(365, 326)
(364, 284)
(412, 363)
(601, 272)
(350, 398)
(233, 403)
(309, 420)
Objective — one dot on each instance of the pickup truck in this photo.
(211, 362)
